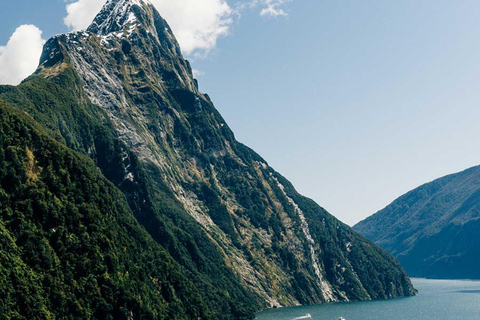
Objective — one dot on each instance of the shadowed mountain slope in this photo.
(433, 229)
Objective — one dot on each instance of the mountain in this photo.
(433, 229)
(71, 247)
(185, 221)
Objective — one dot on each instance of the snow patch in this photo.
(118, 16)
(348, 246)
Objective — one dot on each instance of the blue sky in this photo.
(46, 14)
(356, 102)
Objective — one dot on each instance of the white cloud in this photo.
(20, 57)
(273, 8)
(80, 14)
(268, 8)
(197, 24)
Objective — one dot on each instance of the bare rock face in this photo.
(214, 204)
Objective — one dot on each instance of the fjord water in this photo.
(437, 299)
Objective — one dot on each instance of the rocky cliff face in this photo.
(121, 93)
(433, 229)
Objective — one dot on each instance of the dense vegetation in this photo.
(71, 247)
(60, 104)
(433, 229)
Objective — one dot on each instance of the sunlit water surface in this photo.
(437, 299)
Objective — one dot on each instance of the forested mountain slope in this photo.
(72, 248)
(433, 229)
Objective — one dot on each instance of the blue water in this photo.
(437, 299)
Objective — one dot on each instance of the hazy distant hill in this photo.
(433, 230)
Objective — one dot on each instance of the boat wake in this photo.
(307, 316)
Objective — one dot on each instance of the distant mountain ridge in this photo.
(234, 232)
(433, 229)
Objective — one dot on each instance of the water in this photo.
(437, 299)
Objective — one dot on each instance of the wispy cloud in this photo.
(268, 8)
(20, 57)
(274, 8)
(198, 73)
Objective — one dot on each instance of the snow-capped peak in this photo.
(115, 14)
